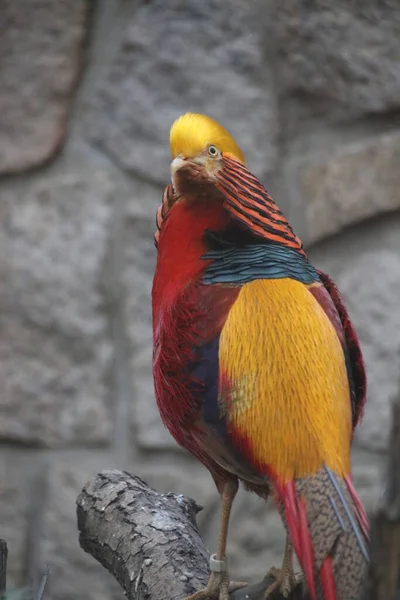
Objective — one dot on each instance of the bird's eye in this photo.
(212, 150)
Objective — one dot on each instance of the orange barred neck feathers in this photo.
(191, 133)
(250, 204)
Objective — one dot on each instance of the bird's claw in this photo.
(285, 580)
(218, 588)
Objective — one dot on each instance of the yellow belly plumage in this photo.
(290, 393)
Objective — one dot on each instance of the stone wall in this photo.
(88, 91)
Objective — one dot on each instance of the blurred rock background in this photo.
(88, 91)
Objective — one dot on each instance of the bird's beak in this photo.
(180, 161)
(177, 164)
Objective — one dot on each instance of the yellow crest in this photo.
(192, 132)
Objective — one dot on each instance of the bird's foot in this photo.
(285, 580)
(218, 587)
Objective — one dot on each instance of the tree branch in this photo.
(149, 541)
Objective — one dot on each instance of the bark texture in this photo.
(149, 541)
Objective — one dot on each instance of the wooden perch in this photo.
(148, 541)
(151, 544)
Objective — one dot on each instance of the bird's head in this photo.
(198, 144)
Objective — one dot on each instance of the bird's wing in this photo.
(351, 344)
(283, 380)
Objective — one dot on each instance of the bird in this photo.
(257, 367)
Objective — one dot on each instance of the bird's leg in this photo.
(219, 587)
(285, 577)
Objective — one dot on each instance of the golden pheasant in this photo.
(257, 368)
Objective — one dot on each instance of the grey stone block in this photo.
(41, 45)
(333, 60)
(55, 346)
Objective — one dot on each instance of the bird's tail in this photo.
(328, 527)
